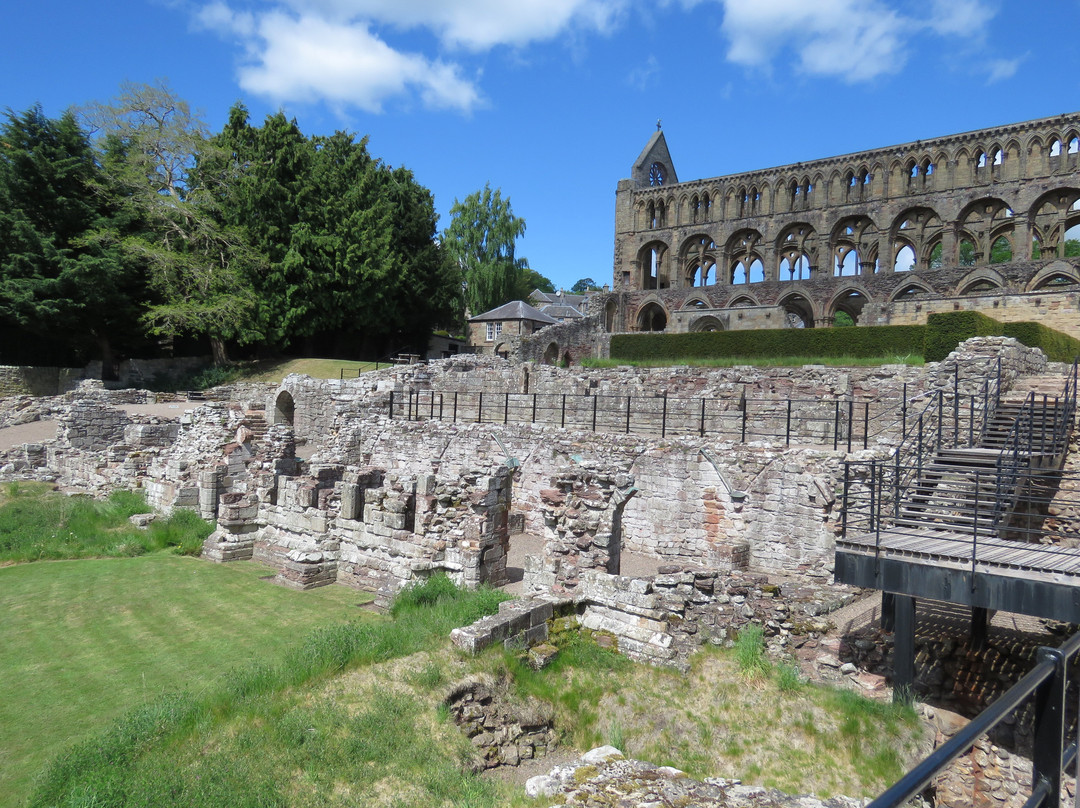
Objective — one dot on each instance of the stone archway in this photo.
(551, 354)
(652, 317)
(284, 408)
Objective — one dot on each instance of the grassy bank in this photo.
(38, 524)
(85, 641)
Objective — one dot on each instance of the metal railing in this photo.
(1055, 744)
(839, 423)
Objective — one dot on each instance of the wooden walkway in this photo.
(954, 550)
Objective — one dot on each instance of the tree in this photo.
(531, 280)
(584, 285)
(352, 260)
(480, 241)
(155, 154)
(61, 277)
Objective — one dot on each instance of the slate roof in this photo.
(564, 312)
(514, 310)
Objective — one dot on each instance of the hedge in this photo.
(868, 341)
(934, 341)
(946, 330)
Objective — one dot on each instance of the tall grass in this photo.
(133, 762)
(37, 524)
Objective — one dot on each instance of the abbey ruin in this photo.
(973, 221)
(731, 481)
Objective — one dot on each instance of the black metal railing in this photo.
(1055, 742)
(839, 423)
(920, 483)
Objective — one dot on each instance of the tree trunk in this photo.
(220, 353)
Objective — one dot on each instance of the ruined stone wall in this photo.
(37, 381)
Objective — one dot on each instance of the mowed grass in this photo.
(275, 371)
(81, 642)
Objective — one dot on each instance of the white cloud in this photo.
(854, 40)
(1001, 69)
(335, 51)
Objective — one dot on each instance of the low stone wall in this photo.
(663, 619)
(503, 730)
(16, 380)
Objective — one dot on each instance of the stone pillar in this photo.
(210, 483)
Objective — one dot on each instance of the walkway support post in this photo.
(904, 648)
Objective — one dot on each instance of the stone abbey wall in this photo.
(964, 215)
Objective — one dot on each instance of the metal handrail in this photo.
(1051, 756)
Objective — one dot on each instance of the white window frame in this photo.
(494, 331)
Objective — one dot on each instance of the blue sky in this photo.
(552, 100)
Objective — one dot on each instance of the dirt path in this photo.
(38, 431)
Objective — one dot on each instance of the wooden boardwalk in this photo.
(954, 550)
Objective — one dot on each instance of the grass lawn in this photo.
(315, 368)
(84, 641)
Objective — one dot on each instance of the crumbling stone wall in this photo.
(18, 380)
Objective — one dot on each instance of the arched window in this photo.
(905, 259)
(1000, 251)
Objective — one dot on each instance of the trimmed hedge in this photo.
(934, 341)
(869, 341)
(946, 330)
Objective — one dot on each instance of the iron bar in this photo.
(628, 415)
(865, 423)
(850, 421)
(787, 427)
(480, 409)
(663, 418)
(702, 431)
(836, 423)
(506, 409)
(594, 413)
(455, 406)
(391, 403)
(562, 422)
(534, 408)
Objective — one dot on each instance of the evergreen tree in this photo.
(62, 277)
(198, 267)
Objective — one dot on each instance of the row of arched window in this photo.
(844, 307)
(1045, 155)
(987, 231)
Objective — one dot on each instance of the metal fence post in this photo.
(562, 422)
(1049, 737)
(850, 421)
(956, 406)
(865, 424)
(703, 416)
(628, 415)
(663, 418)
(594, 412)
(455, 406)
(391, 403)
(480, 409)
(534, 408)
(506, 409)
(903, 413)
(836, 423)
(787, 427)
(844, 512)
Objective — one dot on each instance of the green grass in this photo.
(760, 361)
(261, 736)
(85, 641)
(38, 524)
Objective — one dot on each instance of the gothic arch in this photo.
(551, 354)
(652, 265)
(1051, 217)
(851, 300)
(743, 300)
(798, 310)
(707, 323)
(982, 280)
(853, 246)
(695, 302)
(743, 257)
(919, 228)
(1057, 273)
(910, 290)
(698, 261)
(651, 316)
(982, 222)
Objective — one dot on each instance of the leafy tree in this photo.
(61, 277)
(480, 241)
(1072, 248)
(529, 281)
(584, 285)
(154, 148)
(353, 264)
(842, 320)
